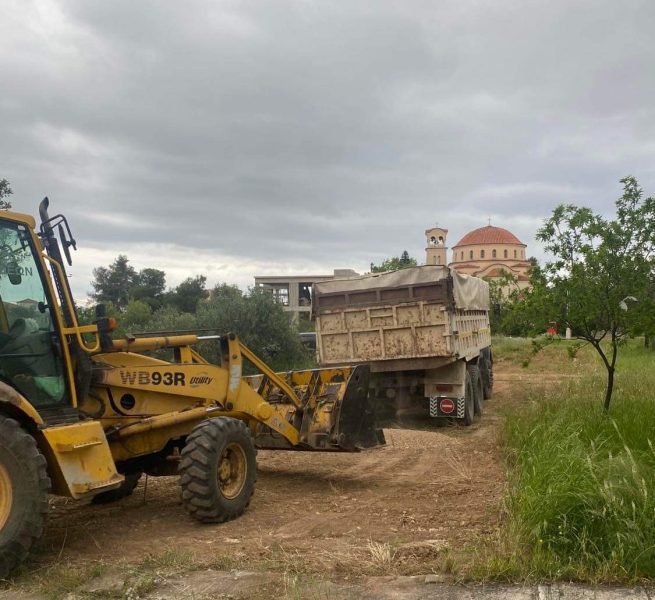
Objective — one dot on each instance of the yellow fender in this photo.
(79, 461)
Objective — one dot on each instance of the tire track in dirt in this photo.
(441, 483)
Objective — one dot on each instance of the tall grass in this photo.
(505, 348)
(581, 498)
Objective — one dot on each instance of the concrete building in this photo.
(294, 292)
(484, 252)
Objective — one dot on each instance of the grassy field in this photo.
(581, 484)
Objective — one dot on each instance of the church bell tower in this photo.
(436, 249)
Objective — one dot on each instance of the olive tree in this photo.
(599, 279)
(258, 320)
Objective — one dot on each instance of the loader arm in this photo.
(147, 402)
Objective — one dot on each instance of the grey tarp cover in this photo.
(471, 293)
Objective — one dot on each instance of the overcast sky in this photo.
(259, 137)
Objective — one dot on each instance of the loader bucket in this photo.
(330, 408)
(355, 425)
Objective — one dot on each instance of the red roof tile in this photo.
(489, 235)
(497, 272)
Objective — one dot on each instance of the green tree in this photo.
(258, 320)
(394, 263)
(135, 318)
(114, 283)
(87, 314)
(506, 299)
(170, 320)
(599, 281)
(189, 293)
(5, 192)
(119, 283)
(149, 287)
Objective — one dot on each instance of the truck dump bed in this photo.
(414, 313)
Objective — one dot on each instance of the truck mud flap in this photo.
(356, 424)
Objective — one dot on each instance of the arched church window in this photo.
(481, 253)
(493, 253)
(505, 253)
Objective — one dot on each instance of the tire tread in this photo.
(34, 466)
(478, 392)
(197, 473)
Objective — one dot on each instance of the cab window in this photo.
(29, 346)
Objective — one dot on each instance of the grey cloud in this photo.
(334, 132)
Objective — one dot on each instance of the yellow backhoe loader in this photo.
(84, 415)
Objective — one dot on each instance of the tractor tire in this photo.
(469, 402)
(487, 373)
(218, 470)
(123, 491)
(24, 486)
(478, 388)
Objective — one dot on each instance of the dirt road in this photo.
(412, 504)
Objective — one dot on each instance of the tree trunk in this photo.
(610, 365)
(610, 387)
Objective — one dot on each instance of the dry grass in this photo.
(381, 556)
(460, 466)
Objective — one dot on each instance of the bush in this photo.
(260, 323)
(255, 317)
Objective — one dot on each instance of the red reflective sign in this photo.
(446, 406)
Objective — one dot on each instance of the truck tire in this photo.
(469, 401)
(487, 373)
(218, 470)
(24, 486)
(123, 491)
(478, 391)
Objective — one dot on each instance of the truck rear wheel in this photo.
(469, 401)
(24, 486)
(218, 470)
(478, 391)
(487, 372)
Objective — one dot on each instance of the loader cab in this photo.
(31, 348)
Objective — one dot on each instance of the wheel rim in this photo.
(231, 471)
(6, 496)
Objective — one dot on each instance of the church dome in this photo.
(489, 235)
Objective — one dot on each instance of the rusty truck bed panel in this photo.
(400, 317)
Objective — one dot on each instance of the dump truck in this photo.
(423, 332)
(84, 415)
